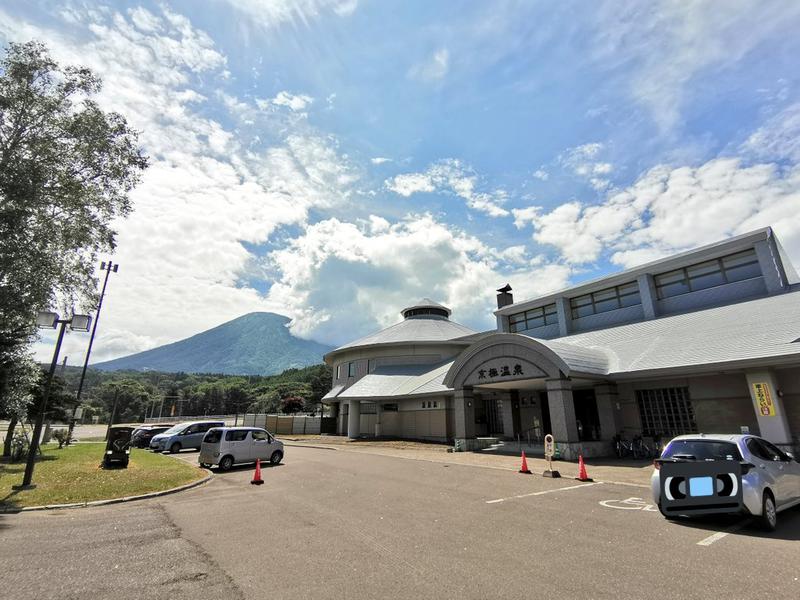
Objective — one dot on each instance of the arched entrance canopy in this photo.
(503, 357)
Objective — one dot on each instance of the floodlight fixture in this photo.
(80, 322)
(47, 320)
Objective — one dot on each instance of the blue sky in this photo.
(335, 160)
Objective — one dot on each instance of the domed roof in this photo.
(425, 321)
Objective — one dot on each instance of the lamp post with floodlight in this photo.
(50, 320)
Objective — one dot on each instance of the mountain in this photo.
(258, 343)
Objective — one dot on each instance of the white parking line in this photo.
(721, 534)
(571, 487)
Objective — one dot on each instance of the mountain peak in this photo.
(256, 343)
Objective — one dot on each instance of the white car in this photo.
(228, 446)
(770, 477)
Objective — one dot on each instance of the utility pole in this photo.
(113, 412)
(108, 268)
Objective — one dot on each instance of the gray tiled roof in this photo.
(766, 328)
(414, 330)
(399, 380)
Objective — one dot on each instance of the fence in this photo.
(285, 424)
(277, 424)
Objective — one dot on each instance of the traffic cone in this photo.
(582, 475)
(524, 468)
(257, 475)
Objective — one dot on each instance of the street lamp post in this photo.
(50, 320)
(108, 268)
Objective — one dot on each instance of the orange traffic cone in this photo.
(524, 468)
(582, 475)
(257, 475)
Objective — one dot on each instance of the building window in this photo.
(708, 274)
(368, 408)
(370, 366)
(619, 296)
(666, 412)
(435, 404)
(338, 371)
(389, 407)
(351, 369)
(530, 319)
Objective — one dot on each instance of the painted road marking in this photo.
(629, 504)
(570, 487)
(721, 534)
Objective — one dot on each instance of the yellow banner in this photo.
(766, 408)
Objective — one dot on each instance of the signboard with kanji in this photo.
(763, 396)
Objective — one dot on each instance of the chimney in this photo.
(505, 297)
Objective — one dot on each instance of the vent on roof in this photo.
(426, 308)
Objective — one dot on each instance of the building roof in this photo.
(674, 261)
(413, 330)
(400, 380)
(765, 331)
(426, 303)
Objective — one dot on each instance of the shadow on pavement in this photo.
(788, 525)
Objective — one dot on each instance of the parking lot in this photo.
(353, 524)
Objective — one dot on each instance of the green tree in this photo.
(129, 395)
(66, 169)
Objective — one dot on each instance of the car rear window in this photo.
(213, 436)
(702, 450)
(237, 435)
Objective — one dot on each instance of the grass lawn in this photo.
(73, 474)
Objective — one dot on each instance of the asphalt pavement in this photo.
(342, 524)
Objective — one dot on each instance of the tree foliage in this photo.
(66, 169)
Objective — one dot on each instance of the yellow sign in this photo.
(764, 399)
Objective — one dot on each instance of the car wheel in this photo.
(226, 463)
(769, 514)
(175, 448)
(276, 457)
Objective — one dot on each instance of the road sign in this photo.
(78, 413)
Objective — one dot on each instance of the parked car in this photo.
(182, 436)
(770, 477)
(142, 435)
(227, 446)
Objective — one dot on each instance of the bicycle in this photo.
(622, 447)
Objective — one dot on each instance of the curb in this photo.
(301, 445)
(174, 490)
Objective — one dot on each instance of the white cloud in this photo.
(272, 13)
(450, 176)
(434, 68)
(667, 45)
(778, 138)
(379, 160)
(209, 190)
(671, 209)
(541, 174)
(585, 163)
(294, 102)
(377, 268)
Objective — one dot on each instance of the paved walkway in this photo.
(624, 471)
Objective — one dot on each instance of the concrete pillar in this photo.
(354, 419)
(562, 410)
(647, 292)
(564, 316)
(464, 413)
(606, 396)
(378, 413)
(770, 413)
(508, 415)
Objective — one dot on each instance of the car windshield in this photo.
(702, 450)
(176, 428)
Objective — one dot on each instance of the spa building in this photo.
(702, 341)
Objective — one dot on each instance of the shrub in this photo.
(62, 437)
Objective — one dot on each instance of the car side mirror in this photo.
(790, 455)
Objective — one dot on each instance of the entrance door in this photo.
(547, 428)
(494, 416)
(586, 418)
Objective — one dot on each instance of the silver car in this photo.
(182, 436)
(770, 477)
(227, 446)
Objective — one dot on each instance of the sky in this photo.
(337, 160)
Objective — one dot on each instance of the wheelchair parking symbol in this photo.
(629, 504)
